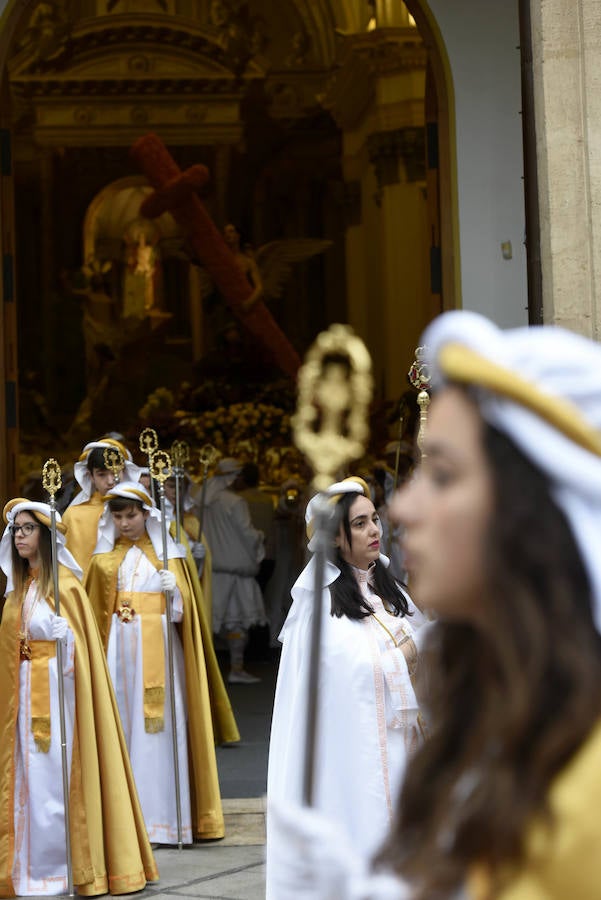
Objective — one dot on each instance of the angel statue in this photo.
(268, 268)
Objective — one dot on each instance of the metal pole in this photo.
(323, 533)
(161, 473)
(208, 454)
(330, 428)
(178, 526)
(51, 478)
(534, 269)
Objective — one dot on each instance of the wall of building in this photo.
(481, 38)
(567, 66)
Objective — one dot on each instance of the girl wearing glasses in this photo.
(110, 849)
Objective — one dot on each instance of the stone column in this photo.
(398, 158)
(566, 39)
(377, 99)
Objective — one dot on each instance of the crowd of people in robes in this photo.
(457, 739)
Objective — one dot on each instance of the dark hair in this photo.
(347, 599)
(118, 504)
(95, 460)
(508, 706)
(21, 566)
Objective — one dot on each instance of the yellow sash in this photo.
(41, 653)
(150, 606)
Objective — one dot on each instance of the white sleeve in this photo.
(315, 860)
(177, 605)
(250, 537)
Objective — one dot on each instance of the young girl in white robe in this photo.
(368, 719)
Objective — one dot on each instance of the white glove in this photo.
(168, 582)
(59, 629)
(314, 859)
(198, 550)
(312, 856)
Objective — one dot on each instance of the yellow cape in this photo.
(101, 585)
(564, 860)
(82, 528)
(110, 846)
(224, 723)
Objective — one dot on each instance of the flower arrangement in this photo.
(240, 429)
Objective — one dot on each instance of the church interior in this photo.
(318, 125)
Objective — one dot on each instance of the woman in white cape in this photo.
(368, 721)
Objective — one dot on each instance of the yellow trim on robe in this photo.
(41, 654)
(191, 529)
(101, 585)
(563, 862)
(462, 364)
(224, 723)
(82, 529)
(110, 845)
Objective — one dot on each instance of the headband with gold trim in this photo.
(36, 513)
(130, 492)
(336, 496)
(464, 365)
(106, 442)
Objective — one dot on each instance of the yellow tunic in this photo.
(110, 846)
(101, 585)
(564, 862)
(82, 528)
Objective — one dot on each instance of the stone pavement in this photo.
(231, 869)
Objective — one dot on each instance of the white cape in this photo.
(364, 738)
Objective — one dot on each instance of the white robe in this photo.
(367, 719)
(40, 861)
(236, 550)
(151, 754)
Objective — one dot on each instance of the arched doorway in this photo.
(303, 182)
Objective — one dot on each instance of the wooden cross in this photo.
(176, 192)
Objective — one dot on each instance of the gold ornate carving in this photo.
(139, 65)
(387, 149)
(364, 58)
(334, 392)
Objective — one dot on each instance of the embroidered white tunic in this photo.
(151, 754)
(367, 719)
(40, 860)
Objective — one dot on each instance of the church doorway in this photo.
(327, 136)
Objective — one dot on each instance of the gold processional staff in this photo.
(208, 456)
(180, 454)
(331, 428)
(51, 482)
(148, 443)
(419, 376)
(160, 471)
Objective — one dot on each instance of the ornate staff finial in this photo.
(149, 441)
(208, 456)
(51, 478)
(160, 466)
(180, 454)
(114, 461)
(419, 376)
(334, 392)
